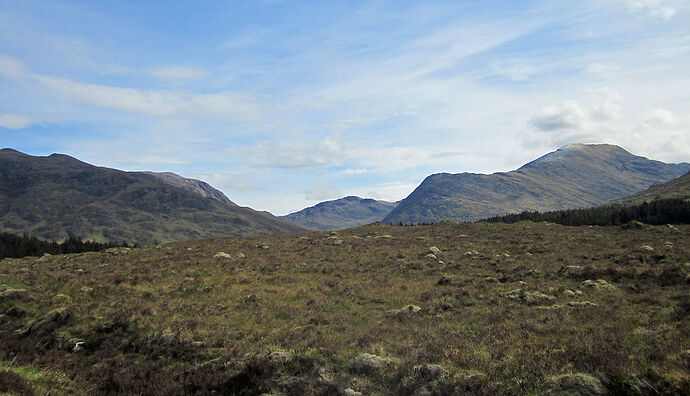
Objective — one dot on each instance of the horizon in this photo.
(308, 103)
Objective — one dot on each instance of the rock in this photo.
(430, 372)
(435, 251)
(369, 364)
(9, 294)
(569, 293)
(431, 256)
(49, 322)
(598, 284)
(351, 392)
(241, 255)
(529, 297)
(491, 279)
(86, 289)
(582, 304)
(572, 270)
(62, 299)
(647, 248)
(633, 224)
(118, 251)
(279, 357)
(338, 242)
(222, 255)
(404, 311)
(577, 384)
(672, 227)
(472, 253)
(262, 246)
(74, 345)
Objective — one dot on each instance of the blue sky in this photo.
(283, 104)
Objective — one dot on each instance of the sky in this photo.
(283, 104)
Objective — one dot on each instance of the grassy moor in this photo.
(525, 308)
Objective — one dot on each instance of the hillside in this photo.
(58, 196)
(342, 213)
(574, 176)
(481, 309)
(673, 189)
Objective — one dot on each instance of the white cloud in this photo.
(655, 8)
(11, 67)
(322, 191)
(357, 171)
(156, 102)
(15, 121)
(514, 69)
(659, 116)
(568, 115)
(228, 181)
(294, 154)
(180, 73)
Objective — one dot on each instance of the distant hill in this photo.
(574, 176)
(342, 213)
(58, 196)
(673, 189)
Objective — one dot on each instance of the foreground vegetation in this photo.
(441, 309)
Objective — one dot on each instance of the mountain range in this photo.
(574, 176)
(58, 196)
(342, 213)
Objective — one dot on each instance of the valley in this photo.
(445, 308)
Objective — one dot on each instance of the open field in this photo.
(497, 309)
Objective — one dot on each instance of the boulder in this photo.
(435, 251)
(598, 284)
(49, 322)
(369, 364)
(10, 294)
(222, 255)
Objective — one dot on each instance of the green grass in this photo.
(42, 381)
(326, 304)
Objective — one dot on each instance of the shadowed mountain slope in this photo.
(574, 176)
(676, 188)
(342, 213)
(58, 196)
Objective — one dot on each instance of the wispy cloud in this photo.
(180, 73)
(655, 8)
(15, 121)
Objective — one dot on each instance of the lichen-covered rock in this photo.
(430, 372)
(279, 357)
(582, 304)
(406, 310)
(435, 251)
(572, 270)
(529, 297)
(222, 255)
(578, 384)
(369, 364)
(10, 294)
(598, 284)
(49, 322)
(647, 248)
(431, 256)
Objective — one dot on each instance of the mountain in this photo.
(193, 185)
(342, 213)
(57, 196)
(676, 188)
(574, 176)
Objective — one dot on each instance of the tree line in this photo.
(663, 211)
(13, 245)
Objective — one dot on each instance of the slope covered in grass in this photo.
(465, 308)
